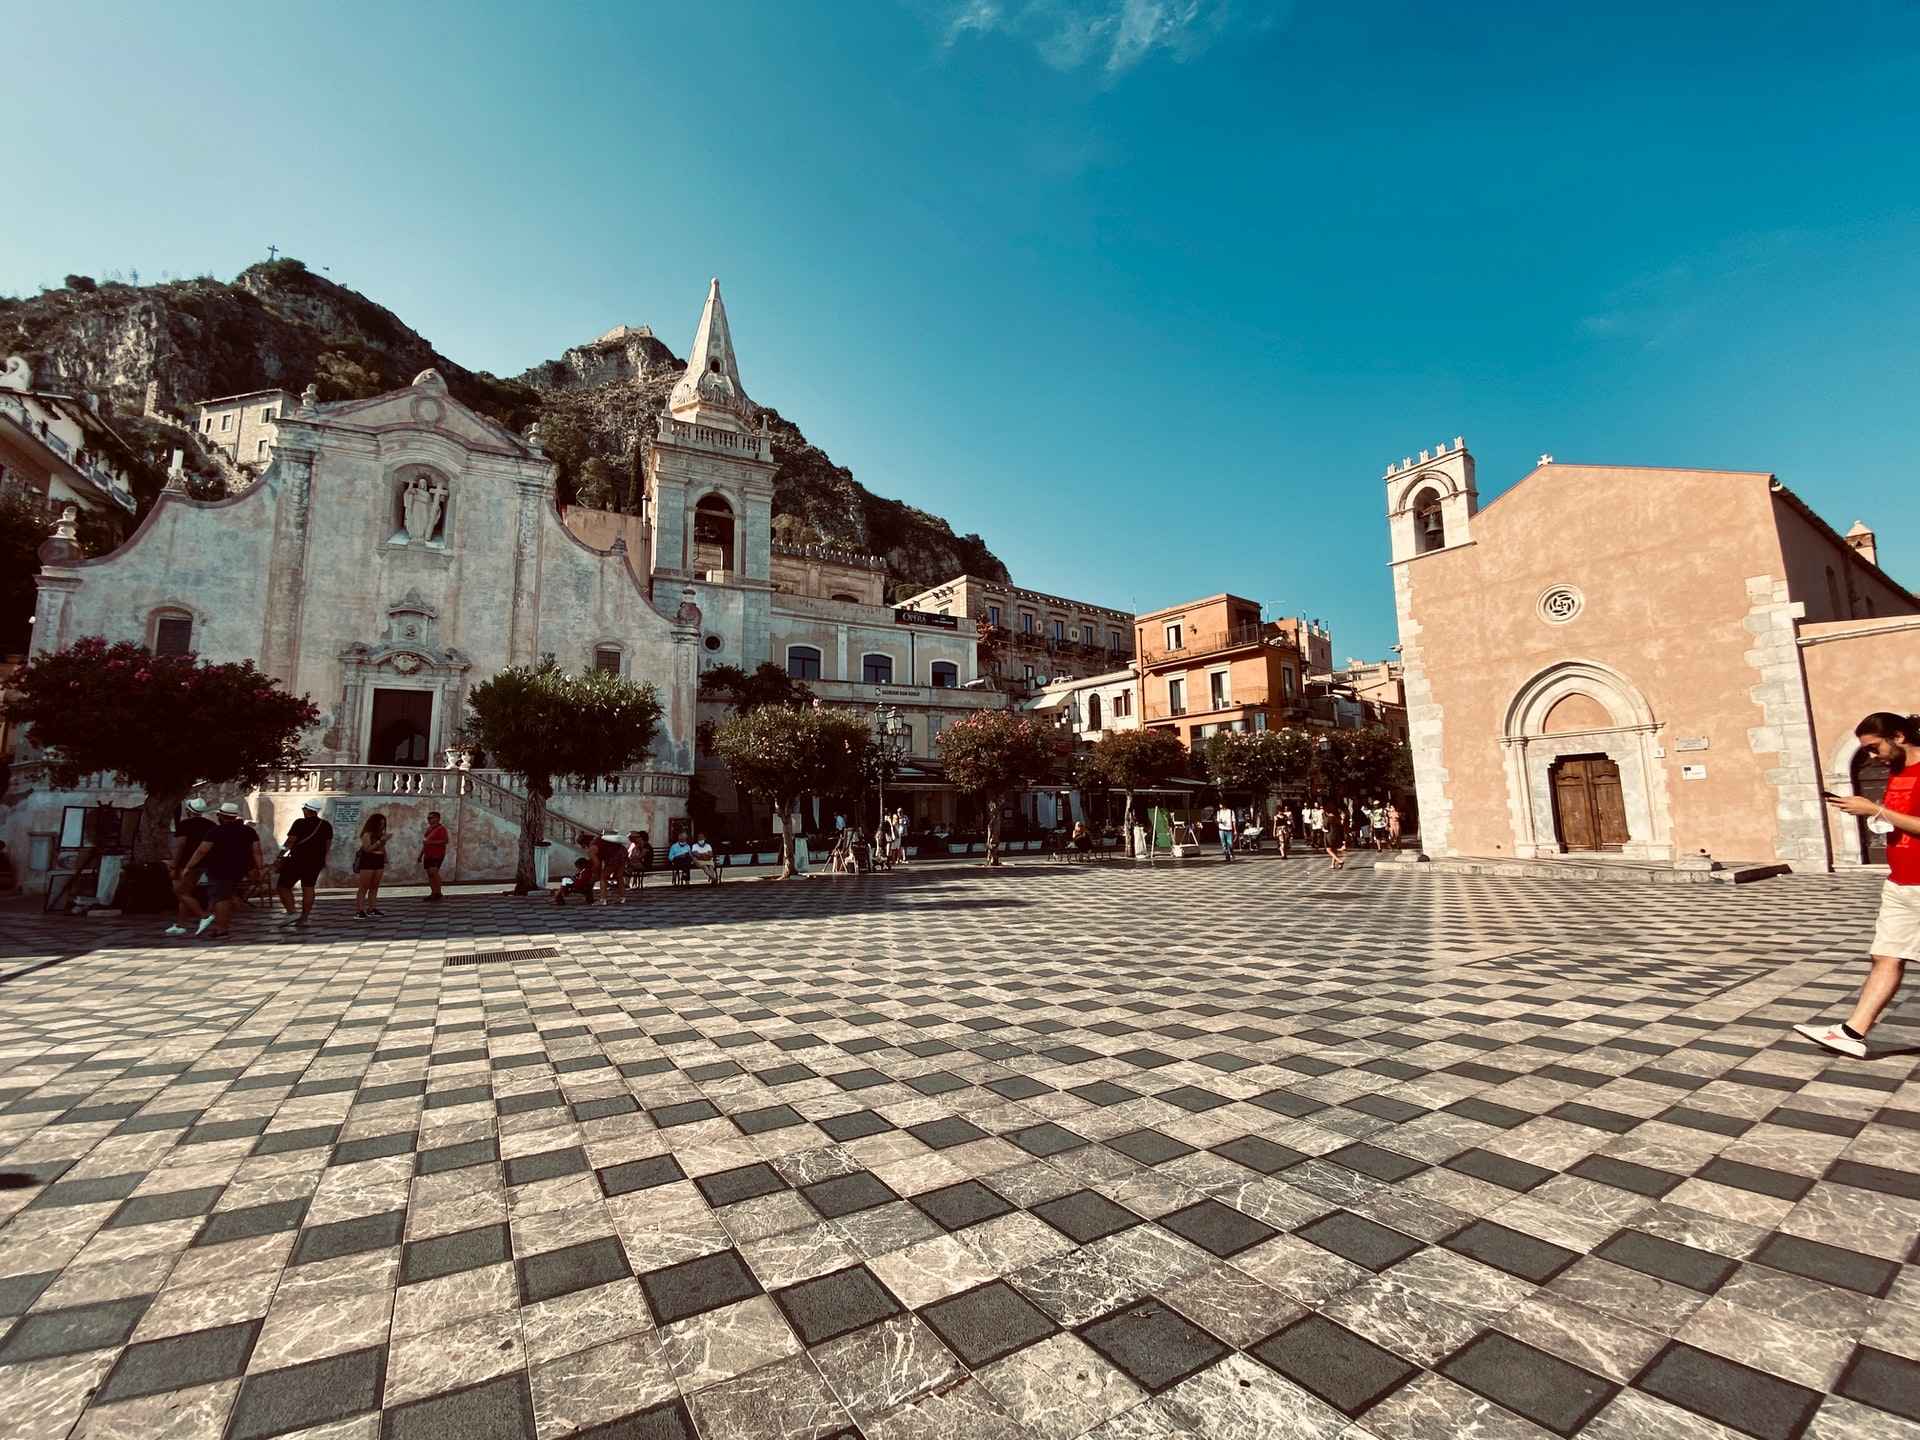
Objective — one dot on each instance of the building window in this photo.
(1032, 675)
(1217, 689)
(1429, 527)
(713, 534)
(260, 450)
(226, 421)
(1177, 697)
(993, 614)
(206, 426)
(850, 599)
(172, 634)
(1026, 622)
(1113, 641)
(1086, 634)
(803, 662)
(267, 414)
(1059, 630)
(1173, 636)
(607, 658)
(1123, 703)
(876, 669)
(1259, 719)
(946, 675)
(1286, 683)
(1093, 712)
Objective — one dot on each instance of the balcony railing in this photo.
(1202, 642)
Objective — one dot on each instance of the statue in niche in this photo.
(422, 505)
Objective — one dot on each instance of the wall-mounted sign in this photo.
(1690, 742)
(1693, 772)
(937, 621)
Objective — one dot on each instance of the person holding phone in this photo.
(1894, 740)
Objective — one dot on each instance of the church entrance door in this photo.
(401, 731)
(1589, 811)
(1870, 780)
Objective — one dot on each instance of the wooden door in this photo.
(1589, 811)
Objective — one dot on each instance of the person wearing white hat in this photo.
(302, 859)
(230, 854)
(194, 827)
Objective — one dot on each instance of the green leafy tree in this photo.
(596, 487)
(165, 723)
(541, 723)
(24, 527)
(1261, 761)
(1136, 760)
(784, 752)
(768, 684)
(993, 753)
(1362, 765)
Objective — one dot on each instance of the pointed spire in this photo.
(710, 393)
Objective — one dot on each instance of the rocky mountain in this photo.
(278, 323)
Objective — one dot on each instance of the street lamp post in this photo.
(893, 733)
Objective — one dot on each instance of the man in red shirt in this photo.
(433, 852)
(1894, 740)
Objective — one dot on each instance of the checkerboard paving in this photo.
(1239, 1151)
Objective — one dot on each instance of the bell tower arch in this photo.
(1431, 501)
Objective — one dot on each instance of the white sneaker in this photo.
(206, 924)
(174, 930)
(1834, 1038)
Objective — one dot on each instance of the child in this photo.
(579, 883)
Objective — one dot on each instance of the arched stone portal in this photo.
(1581, 708)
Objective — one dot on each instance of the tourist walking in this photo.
(302, 858)
(1393, 826)
(369, 864)
(639, 858)
(231, 855)
(433, 853)
(611, 853)
(1333, 824)
(898, 838)
(1223, 819)
(192, 831)
(1894, 740)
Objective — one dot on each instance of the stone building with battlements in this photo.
(1642, 662)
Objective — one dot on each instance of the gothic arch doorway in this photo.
(1578, 744)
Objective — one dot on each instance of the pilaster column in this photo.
(280, 645)
(523, 633)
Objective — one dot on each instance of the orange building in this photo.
(1213, 665)
(1646, 661)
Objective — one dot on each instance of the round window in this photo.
(713, 642)
(1560, 603)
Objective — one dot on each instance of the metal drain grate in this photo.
(492, 957)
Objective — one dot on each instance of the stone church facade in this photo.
(1637, 661)
(398, 550)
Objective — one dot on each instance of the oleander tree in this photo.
(542, 723)
(1260, 761)
(163, 723)
(994, 753)
(1134, 760)
(781, 753)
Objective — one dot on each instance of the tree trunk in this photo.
(993, 831)
(155, 840)
(533, 830)
(786, 838)
(1126, 826)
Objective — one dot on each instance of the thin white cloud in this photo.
(1115, 35)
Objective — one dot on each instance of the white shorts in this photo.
(1898, 931)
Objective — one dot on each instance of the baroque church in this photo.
(400, 549)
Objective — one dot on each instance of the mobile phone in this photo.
(1829, 795)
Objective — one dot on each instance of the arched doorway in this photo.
(1581, 776)
(1870, 780)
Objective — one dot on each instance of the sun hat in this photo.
(197, 805)
(229, 808)
(311, 808)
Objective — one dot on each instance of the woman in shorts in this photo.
(1893, 740)
(369, 863)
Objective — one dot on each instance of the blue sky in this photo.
(1147, 292)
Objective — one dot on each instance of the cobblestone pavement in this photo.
(1246, 1151)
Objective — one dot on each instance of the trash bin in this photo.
(542, 863)
(108, 888)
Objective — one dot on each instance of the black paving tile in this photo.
(1349, 1372)
(251, 1221)
(1152, 1344)
(1355, 1238)
(275, 1402)
(1761, 1405)
(1218, 1229)
(1867, 1274)
(180, 1362)
(1544, 1388)
(571, 1268)
(349, 1237)
(847, 1194)
(624, 1179)
(1625, 1175)
(1046, 1139)
(1510, 1250)
(987, 1323)
(499, 1409)
(168, 1205)
(448, 1254)
(835, 1304)
(1668, 1260)
(954, 1207)
(1085, 1216)
(1885, 1381)
(744, 1183)
(1499, 1169)
(72, 1329)
(694, 1287)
